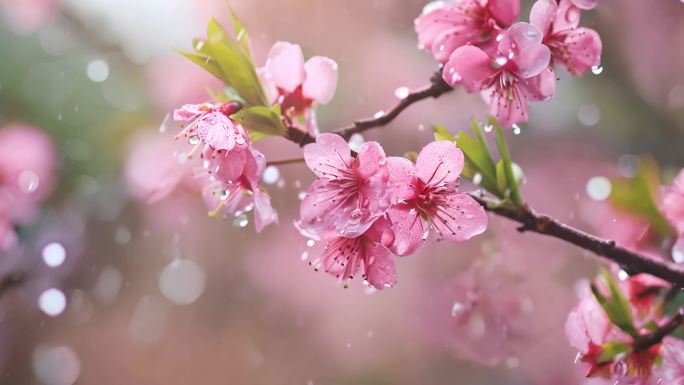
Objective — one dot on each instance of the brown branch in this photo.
(631, 262)
(436, 88)
(646, 341)
(284, 161)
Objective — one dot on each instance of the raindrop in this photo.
(52, 302)
(488, 128)
(477, 178)
(241, 221)
(28, 181)
(516, 129)
(54, 254)
(182, 281)
(194, 139)
(596, 70)
(379, 114)
(599, 188)
(456, 77)
(271, 175)
(401, 93)
(356, 141)
(304, 256)
(457, 309)
(434, 5)
(301, 195)
(310, 243)
(622, 275)
(500, 61)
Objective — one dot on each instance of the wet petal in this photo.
(286, 65)
(541, 87)
(507, 105)
(439, 162)
(504, 11)
(380, 270)
(453, 38)
(329, 157)
(521, 44)
(567, 17)
(583, 49)
(402, 178)
(255, 164)
(264, 214)
(584, 4)
(226, 166)
(341, 258)
(219, 131)
(321, 79)
(432, 24)
(190, 111)
(469, 66)
(460, 220)
(410, 229)
(542, 15)
(371, 159)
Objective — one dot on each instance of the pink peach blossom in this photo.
(26, 16)
(585, 4)
(425, 197)
(576, 49)
(350, 193)
(445, 26)
(672, 202)
(297, 85)
(344, 256)
(27, 168)
(211, 124)
(672, 369)
(241, 192)
(519, 72)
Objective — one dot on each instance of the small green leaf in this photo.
(477, 159)
(512, 183)
(207, 62)
(613, 349)
(241, 34)
(638, 196)
(617, 307)
(412, 156)
(260, 121)
(441, 133)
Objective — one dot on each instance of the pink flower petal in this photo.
(321, 79)
(449, 17)
(254, 166)
(542, 15)
(226, 166)
(402, 178)
(219, 131)
(371, 159)
(439, 162)
(329, 156)
(585, 4)
(519, 37)
(671, 371)
(583, 50)
(410, 229)
(463, 219)
(507, 110)
(672, 202)
(451, 39)
(189, 112)
(286, 65)
(469, 66)
(541, 87)
(380, 270)
(504, 11)
(268, 84)
(264, 214)
(567, 17)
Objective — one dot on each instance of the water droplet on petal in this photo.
(596, 70)
(401, 92)
(241, 221)
(28, 181)
(194, 139)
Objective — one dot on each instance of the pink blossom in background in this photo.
(445, 26)
(155, 166)
(518, 73)
(577, 49)
(297, 85)
(350, 193)
(27, 169)
(672, 202)
(26, 16)
(425, 197)
(343, 257)
(585, 4)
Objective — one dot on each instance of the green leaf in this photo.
(441, 133)
(260, 121)
(477, 159)
(612, 349)
(412, 156)
(638, 196)
(207, 62)
(511, 181)
(241, 34)
(617, 307)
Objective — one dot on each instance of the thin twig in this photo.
(284, 161)
(436, 88)
(646, 341)
(631, 262)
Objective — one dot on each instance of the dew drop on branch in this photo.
(401, 93)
